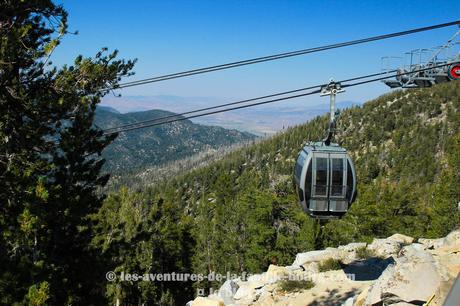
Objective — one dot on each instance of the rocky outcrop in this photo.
(204, 301)
(392, 271)
(414, 277)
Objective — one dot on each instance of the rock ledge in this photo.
(391, 271)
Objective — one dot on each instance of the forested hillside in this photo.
(241, 213)
(161, 144)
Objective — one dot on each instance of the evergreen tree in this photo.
(446, 195)
(49, 158)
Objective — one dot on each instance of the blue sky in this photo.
(171, 36)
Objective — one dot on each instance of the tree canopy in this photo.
(49, 158)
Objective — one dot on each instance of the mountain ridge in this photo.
(153, 146)
(262, 120)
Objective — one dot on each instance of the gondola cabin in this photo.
(325, 180)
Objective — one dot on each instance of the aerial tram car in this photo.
(324, 173)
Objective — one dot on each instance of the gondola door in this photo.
(338, 183)
(320, 177)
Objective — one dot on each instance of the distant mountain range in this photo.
(268, 120)
(263, 120)
(158, 145)
(107, 109)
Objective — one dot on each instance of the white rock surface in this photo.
(349, 251)
(247, 292)
(431, 243)
(348, 302)
(453, 238)
(227, 291)
(317, 256)
(403, 239)
(385, 247)
(206, 301)
(411, 272)
(415, 276)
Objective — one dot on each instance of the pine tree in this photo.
(49, 158)
(446, 195)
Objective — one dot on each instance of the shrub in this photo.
(365, 253)
(296, 285)
(329, 264)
